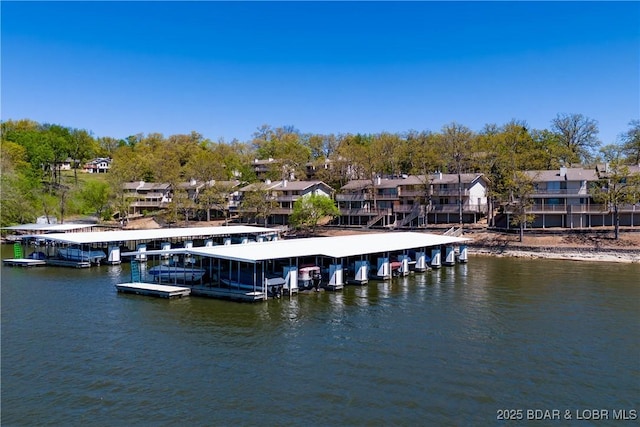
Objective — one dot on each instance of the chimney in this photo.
(563, 171)
(284, 183)
(437, 175)
(192, 182)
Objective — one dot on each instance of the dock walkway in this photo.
(150, 289)
(24, 262)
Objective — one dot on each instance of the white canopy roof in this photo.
(49, 228)
(332, 247)
(153, 234)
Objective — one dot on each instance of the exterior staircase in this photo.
(415, 212)
(453, 232)
(377, 219)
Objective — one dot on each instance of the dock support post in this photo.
(362, 272)
(435, 258)
(335, 276)
(165, 246)
(404, 267)
(383, 268)
(291, 279)
(450, 256)
(141, 248)
(421, 261)
(464, 255)
(114, 255)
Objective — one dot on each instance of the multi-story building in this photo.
(413, 200)
(146, 196)
(99, 165)
(284, 194)
(563, 198)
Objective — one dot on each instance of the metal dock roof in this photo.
(332, 247)
(49, 228)
(152, 234)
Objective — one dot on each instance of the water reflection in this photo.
(445, 347)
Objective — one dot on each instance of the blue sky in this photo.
(225, 68)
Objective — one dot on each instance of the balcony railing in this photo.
(351, 197)
(405, 208)
(564, 191)
(449, 192)
(364, 212)
(393, 196)
(287, 198)
(413, 193)
(148, 204)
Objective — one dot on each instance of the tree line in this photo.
(33, 185)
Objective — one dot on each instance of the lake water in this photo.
(456, 346)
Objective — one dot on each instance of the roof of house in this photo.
(572, 174)
(146, 186)
(602, 168)
(284, 185)
(450, 178)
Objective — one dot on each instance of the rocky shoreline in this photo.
(620, 255)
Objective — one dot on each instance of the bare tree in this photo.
(631, 142)
(578, 135)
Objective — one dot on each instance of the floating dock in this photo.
(154, 290)
(110, 243)
(24, 262)
(249, 271)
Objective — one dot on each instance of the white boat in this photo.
(173, 273)
(75, 254)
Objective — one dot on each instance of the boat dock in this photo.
(83, 249)
(24, 262)
(155, 290)
(262, 270)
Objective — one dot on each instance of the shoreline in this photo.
(628, 256)
(586, 247)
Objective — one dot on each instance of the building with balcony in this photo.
(99, 165)
(146, 196)
(413, 200)
(284, 194)
(563, 198)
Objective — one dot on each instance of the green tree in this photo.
(81, 148)
(456, 140)
(617, 185)
(309, 210)
(96, 195)
(522, 188)
(257, 202)
(215, 196)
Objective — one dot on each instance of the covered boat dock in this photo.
(89, 247)
(267, 269)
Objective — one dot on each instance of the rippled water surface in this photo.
(447, 347)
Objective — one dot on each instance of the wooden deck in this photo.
(154, 290)
(24, 262)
